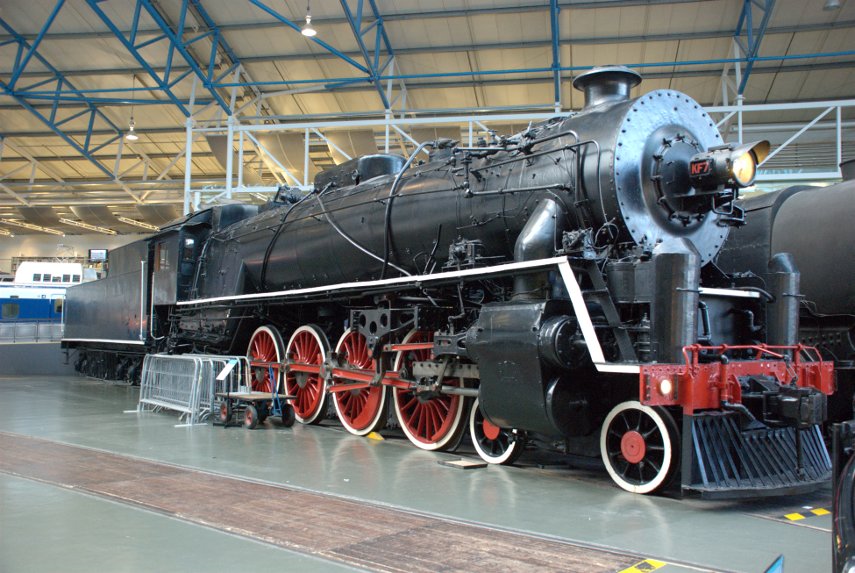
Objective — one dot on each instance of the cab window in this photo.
(161, 257)
(37, 278)
(66, 278)
(75, 278)
(10, 311)
(189, 244)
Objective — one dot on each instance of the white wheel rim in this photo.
(323, 390)
(342, 417)
(484, 454)
(414, 439)
(668, 456)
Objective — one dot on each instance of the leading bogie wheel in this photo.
(360, 411)
(265, 349)
(250, 417)
(433, 423)
(495, 445)
(308, 346)
(640, 446)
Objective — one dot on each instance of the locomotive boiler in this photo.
(550, 289)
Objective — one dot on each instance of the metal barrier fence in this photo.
(30, 331)
(188, 383)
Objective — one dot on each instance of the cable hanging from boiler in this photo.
(351, 240)
(276, 234)
(387, 217)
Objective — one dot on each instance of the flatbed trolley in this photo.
(252, 408)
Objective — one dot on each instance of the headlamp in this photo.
(731, 165)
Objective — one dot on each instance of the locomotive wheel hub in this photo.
(633, 447)
(301, 378)
(426, 394)
(491, 430)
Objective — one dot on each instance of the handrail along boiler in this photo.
(552, 288)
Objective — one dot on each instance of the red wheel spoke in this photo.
(305, 348)
(264, 347)
(360, 411)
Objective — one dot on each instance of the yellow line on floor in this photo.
(645, 566)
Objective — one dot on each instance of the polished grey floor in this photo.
(41, 525)
(46, 528)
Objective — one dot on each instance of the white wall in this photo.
(50, 246)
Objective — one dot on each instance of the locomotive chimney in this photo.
(606, 84)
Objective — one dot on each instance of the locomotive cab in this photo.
(178, 249)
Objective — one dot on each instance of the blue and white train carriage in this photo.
(38, 291)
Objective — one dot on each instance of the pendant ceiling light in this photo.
(132, 135)
(307, 29)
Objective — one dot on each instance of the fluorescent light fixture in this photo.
(831, 5)
(31, 226)
(138, 223)
(88, 227)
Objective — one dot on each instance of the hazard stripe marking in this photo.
(818, 511)
(645, 566)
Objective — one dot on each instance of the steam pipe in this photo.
(782, 318)
(537, 241)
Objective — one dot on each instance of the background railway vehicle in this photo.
(814, 225)
(37, 292)
(549, 289)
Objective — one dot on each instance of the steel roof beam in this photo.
(52, 120)
(129, 41)
(373, 56)
(54, 158)
(28, 157)
(541, 70)
(492, 81)
(848, 64)
(748, 38)
(21, 63)
(715, 34)
(220, 43)
(176, 44)
(287, 21)
(403, 16)
(220, 40)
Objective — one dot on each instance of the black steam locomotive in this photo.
(549, 288)
(822, 250)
